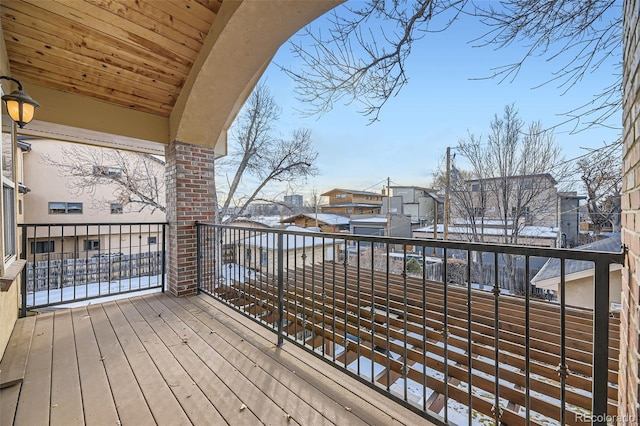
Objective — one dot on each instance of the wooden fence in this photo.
(59, 273)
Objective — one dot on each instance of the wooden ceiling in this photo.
(135, 54)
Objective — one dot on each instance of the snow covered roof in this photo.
(327, 218)
(291, 242)
(370, 220)
(350, 191)
(528, 231)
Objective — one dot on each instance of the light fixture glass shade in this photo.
(20, 106)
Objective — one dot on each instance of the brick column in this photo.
(629, 328)
(190, 198)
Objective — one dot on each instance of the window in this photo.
(8, 203)
(341, 195)
(475, 187)
(263, 258)
(107, 171)
(90, 245)
(116, 208)
(65, 208)
(524, 212)
(9, 220)
(152, 240)
(38, 247)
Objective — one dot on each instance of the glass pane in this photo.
(7, 156)
(57, 208)
(9, 221)
(74, 208)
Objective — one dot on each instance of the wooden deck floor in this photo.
(156, 359)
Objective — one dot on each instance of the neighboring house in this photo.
(376, 225)
(492, 231)
(296, 201)
(579, 279)
(325, 222)
(347, 202)
(260, 251)
(569, 214)
(540, 210)
(51, 199)
(266, 222)
(421, 204)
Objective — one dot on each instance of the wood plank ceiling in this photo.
(133, 53)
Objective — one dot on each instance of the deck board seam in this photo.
(211, 305)
(264, 371)
(202, 361)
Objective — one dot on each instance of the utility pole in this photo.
(447, 205)
(388, 206)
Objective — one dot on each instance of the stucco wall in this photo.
(580, 292)
(8, 313)
(629, 327)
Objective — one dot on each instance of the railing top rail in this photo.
(26, 225)
(560, 253)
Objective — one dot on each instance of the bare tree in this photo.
(513, 181)
(258, 158)
(601, 175)
(361, 58)
(136, 180)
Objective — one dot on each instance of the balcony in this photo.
(157, 359)
(353, 329)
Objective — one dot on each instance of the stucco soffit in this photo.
(243, 39)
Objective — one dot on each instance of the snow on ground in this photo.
(103, 291)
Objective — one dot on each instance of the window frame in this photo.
(50, 249)
(116, 208)
(8, 206)
(65, 207)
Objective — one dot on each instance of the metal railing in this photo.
(80, 261)
(458, 349)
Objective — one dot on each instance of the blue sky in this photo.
(442, 102)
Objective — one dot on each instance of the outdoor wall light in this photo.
(20, 106)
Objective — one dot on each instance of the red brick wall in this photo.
(628, 374)
(190, 198)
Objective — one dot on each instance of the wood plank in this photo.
(88, 39)
(14, 361)
(51, 53)
(192, 10)
(163, 404)
(13, 366)
(119, 28)
(67, 71)
(66, 399)
(63, 82)
(260, 370)
(36, 386)
(130, 403)
(98, 403)
(186, 388)
(9, 402)
(118, 60)
(363, 402)
(187, 12)
(140, 14)
(213, 364)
